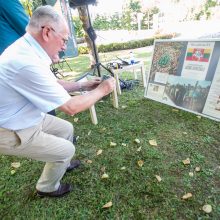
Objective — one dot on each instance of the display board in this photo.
(186, 74)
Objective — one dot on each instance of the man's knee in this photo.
(68, 130)
(68, 150)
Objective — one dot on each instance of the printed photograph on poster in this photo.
(187, 93)
(165, 59)
(212, 105)
(197, 59)
(155, 91)
(161, 78)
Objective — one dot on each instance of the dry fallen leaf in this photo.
(89, 161)
(124, 145)
(123, 168)
(140, 163)
(191, 174)
(175, 110)
(113, 144)
(139, 149)
(103, 169)
(15, 165)
(13, 172)
(158, 178)
(99, 152)
(186, 161)
(124, 106)
(137, 141)
(197, 169)
(207, 208)
(199, 116)
(153, 142)
(184, 132)
(76, 119)
(105, 176)
(107, 205)
(187, 196)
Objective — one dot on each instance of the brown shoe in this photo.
(62, 190)
(73, 165)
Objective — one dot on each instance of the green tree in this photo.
(115, 22)
(31, 5)
(77, 23)
(37, 3)
(147, 20)
(205, 12)
(127, 20)
(135, 6)
(129, 17)
(101, 22)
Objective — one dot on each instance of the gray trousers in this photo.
(50, 142)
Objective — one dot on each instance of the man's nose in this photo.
(64, 46)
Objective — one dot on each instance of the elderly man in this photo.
(29, 89)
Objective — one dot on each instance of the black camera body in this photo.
(77, 3)
(104, 77)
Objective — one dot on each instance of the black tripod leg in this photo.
(94, 70)
(68, 65)
(109, 70)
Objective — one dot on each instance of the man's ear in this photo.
(46, 34)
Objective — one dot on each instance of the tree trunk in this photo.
(84, 17)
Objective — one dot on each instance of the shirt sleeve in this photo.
(40, 87)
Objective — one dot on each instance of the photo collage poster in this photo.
(186, 75)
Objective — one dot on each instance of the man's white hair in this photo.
(45, 16)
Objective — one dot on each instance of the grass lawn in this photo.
(133, 184)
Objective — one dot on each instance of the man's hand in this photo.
(55, 58)
(92, 84)
(107, 85)
(82, 102)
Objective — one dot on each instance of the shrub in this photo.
(125, 45)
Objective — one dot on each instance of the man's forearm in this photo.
(82, 102)
(70, 86)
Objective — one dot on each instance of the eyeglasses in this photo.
(65, 41)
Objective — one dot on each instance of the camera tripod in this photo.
(93, 36)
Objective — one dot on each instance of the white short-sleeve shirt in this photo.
(28, 88)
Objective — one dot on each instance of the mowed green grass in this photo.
(134, 190)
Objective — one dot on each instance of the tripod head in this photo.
(78, 3)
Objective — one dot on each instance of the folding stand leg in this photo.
(68, 65)
(143, 76)
(114, 92)
(118, 87)
(93, 115)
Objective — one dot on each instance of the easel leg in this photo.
(115, 98)
(118, 87)
(143, 76)
(93, 115)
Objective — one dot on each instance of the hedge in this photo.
(125, 45)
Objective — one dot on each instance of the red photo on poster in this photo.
(198, 54)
